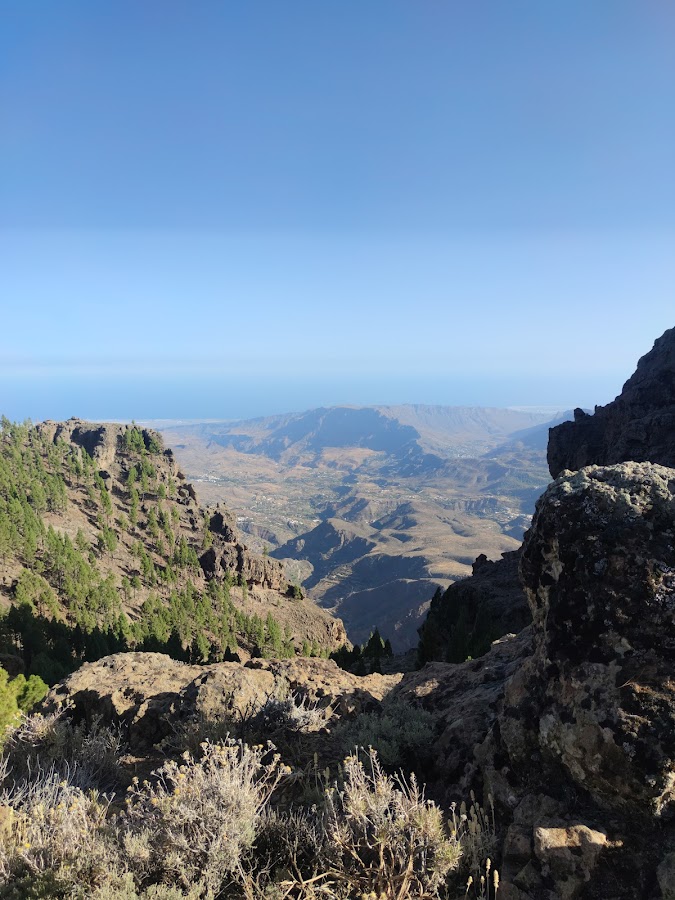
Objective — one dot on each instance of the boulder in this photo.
(149, 693)
(598, 568)
(568, 854)
(133, 690)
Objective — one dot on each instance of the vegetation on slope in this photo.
(94, 564)
(228, 819)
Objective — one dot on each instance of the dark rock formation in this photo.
(599, 571)
(584, 745)
(639, 425)
(465, 700)
(465, 619)
(233, 556)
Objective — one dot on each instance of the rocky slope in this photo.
(639, 425)
(105, 544)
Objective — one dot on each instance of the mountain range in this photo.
(374, 508)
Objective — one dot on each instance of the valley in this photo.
(372, 509)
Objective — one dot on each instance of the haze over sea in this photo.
(200, 397)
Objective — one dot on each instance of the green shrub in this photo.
(400, 733)
(17, 696)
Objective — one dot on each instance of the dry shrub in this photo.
(290, 857)
(125, 889)
(390, 839)
(49, 825)
(402, 734)
(198, 818)
(277, 718)
(376, 836)
(476, 829)
(86, 755)
(204, 828)
(291, 713)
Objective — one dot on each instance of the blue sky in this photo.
(224, 209)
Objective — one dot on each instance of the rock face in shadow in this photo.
(583, 747)
(599, 572)
(471, 614)
(570, 726)
(639, 425)
(465, 700)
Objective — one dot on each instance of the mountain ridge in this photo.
(103, 544)
(432, 485)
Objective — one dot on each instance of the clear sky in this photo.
(237, 208)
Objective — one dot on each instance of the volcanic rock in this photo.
(148, 693)
(639, 425)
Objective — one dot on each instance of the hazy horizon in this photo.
(124, 399)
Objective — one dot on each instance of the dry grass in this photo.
(210, 826)
(47, 824)
(390, 839)
(87, 755)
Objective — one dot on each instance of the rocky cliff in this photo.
(639, 425)
(104, 443)
(465, 619)
(104, 544)
(584, 745)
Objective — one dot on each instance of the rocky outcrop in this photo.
(471, 614)
(101, 441)
(583, 747)
(135, 690)
(639, 425)
(465, 700)
(571, 725)
(599, 572)
(235, 557)
(148, 694)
